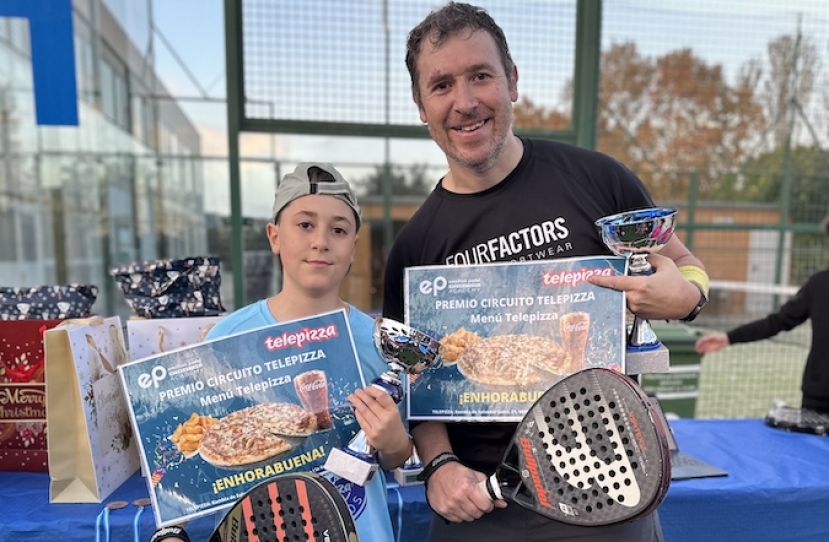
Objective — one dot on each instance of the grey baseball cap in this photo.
(299, 183)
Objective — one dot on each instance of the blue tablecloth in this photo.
(776, 491)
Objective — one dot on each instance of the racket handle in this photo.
(491, 488)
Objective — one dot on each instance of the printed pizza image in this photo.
(512, 360)
(255, 434)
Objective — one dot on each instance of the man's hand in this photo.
(663, 295)
(711, 343)
(454, 493)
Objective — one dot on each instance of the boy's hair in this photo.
(447, 21)
(314, 178)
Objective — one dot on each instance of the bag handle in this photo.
(120, 352)
(202, 335)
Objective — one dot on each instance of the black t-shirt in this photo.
(544, 209)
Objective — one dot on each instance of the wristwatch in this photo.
(703, 299)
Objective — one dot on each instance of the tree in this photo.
(793, 62)
(667, 116)
(664, 117)
(532, 117)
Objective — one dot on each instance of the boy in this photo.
(314, 233)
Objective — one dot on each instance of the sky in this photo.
(727, 32)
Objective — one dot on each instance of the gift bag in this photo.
(150, 337)
(23, 395)
(172, 288)
(51, 302)
(92, 450)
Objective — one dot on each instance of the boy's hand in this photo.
(379, 418)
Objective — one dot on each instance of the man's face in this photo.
(466, 98)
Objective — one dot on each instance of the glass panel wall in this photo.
(76, 201)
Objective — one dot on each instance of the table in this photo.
(776, 491)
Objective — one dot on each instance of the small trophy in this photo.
(406, 350)
(634, 235)
(406, 474)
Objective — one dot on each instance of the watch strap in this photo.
(703, 299)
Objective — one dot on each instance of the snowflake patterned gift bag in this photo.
(23, 395)
(92, 450)
(47, 302)
(172, 288)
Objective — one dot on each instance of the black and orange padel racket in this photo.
(589, 452)
(302, 506)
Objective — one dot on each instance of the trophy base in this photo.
(655, 360)
(407, 476)
(350, 467)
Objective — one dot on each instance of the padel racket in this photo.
(798, 420)
(302, 506)
(589, 452)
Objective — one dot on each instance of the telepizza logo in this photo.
(299, 338)
(574, 278)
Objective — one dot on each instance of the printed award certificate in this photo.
(509, 331)
(216, 418)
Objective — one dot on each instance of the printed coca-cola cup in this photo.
(575, 330)
(312, 390)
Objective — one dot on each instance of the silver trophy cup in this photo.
(634, 235)
(406, 350)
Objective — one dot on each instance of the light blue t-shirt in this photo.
(369, 504)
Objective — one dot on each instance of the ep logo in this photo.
(434, 286)
(157, 374)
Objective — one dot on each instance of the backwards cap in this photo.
(173, 531)
(299, 183)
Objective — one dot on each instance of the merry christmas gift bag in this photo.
(91, 446)
(23, 395)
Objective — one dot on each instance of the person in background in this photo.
(506, 199)
(810, 302)
(316, 218)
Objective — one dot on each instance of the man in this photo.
(498, 188)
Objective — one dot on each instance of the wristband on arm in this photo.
(695, 275)
(433, 465)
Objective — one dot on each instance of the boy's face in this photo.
(315, 239)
